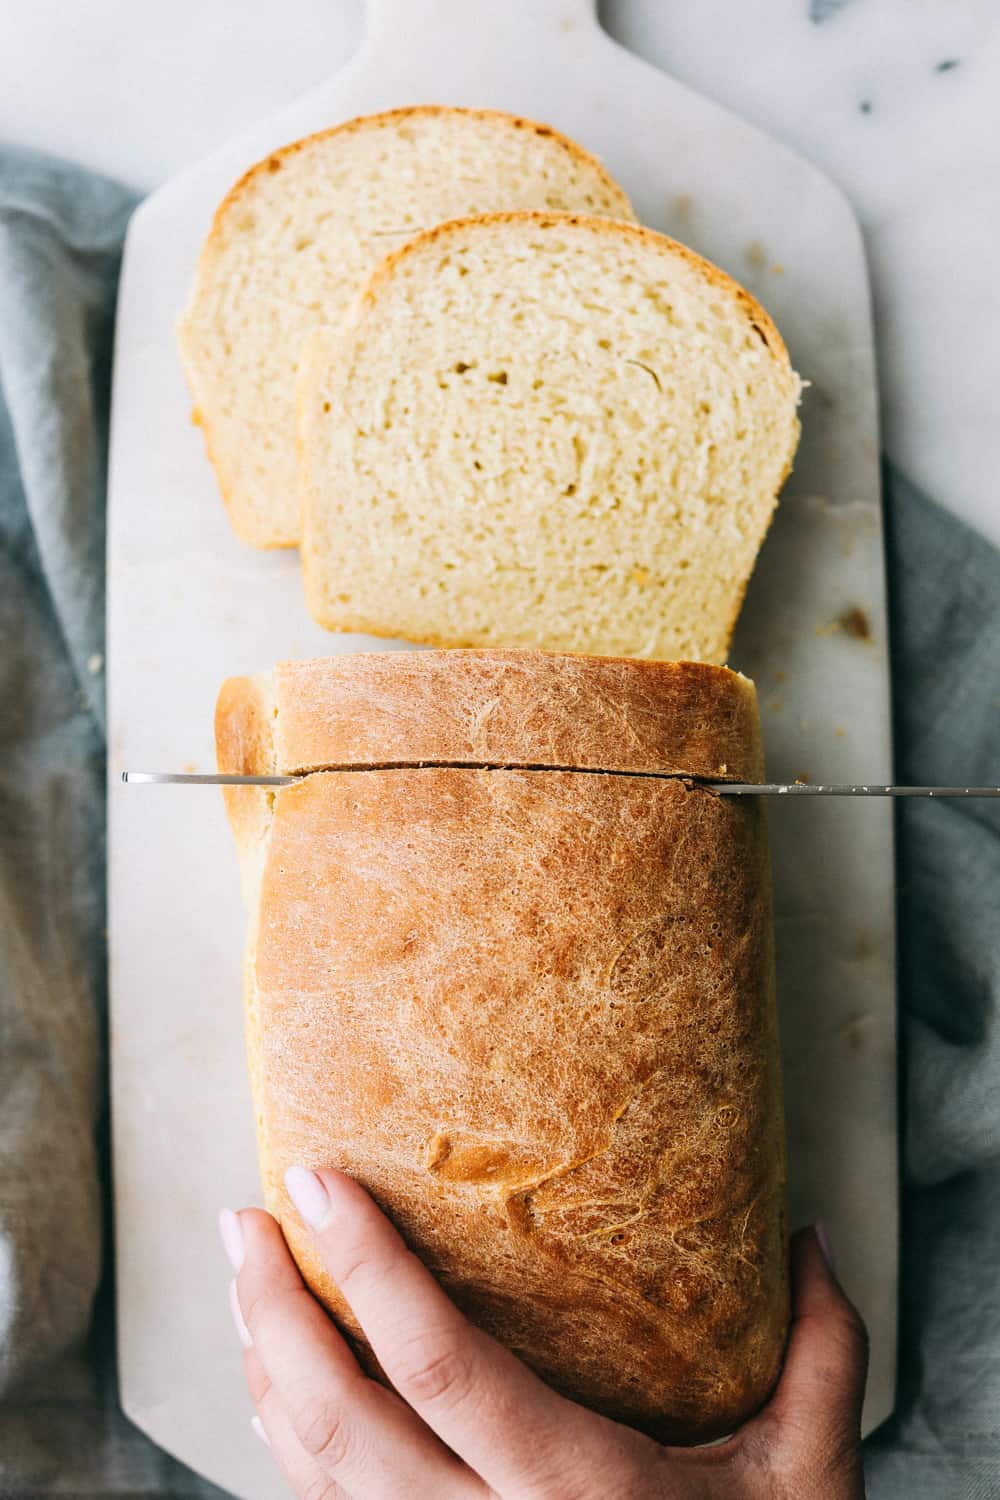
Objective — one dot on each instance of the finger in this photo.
(303, 1474)
(817, 1404)
(482, 1401)
(355, 1432)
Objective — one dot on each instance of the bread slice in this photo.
(486, 708)
(531, 1010)
(543, 430)
(296, 238)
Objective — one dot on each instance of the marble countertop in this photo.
(897, 101)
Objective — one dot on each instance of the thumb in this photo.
(817, 1404)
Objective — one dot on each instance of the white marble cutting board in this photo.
(188, 605)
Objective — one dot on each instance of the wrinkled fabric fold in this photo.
(61, 1429)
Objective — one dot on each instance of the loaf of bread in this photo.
(294, 241)
(531, 1010)
(543, 430)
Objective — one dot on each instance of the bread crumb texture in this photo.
(296, 238)
(548, 431)
(532, 1012)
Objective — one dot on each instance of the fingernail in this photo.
(258, 1428)
(822, 1233)
(237, 1312)
(309, 1196)
(231, 1231)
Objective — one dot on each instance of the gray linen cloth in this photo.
(61, 1432)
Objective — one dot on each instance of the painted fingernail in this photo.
(309, 1196)
(258, 1428)
(823, 1235)
(231, 1231)
(237, 1312)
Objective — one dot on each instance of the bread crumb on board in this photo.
(853, 622)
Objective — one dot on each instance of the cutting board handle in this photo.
(438, 23)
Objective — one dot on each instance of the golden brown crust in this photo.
(527, 708)
(532, 1010)
(274, 161)
(244, 726)
(244, 746)
(547, 1047)
(477, 223)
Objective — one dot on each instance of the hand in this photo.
(467, 1420)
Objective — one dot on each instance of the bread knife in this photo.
(724, 788)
